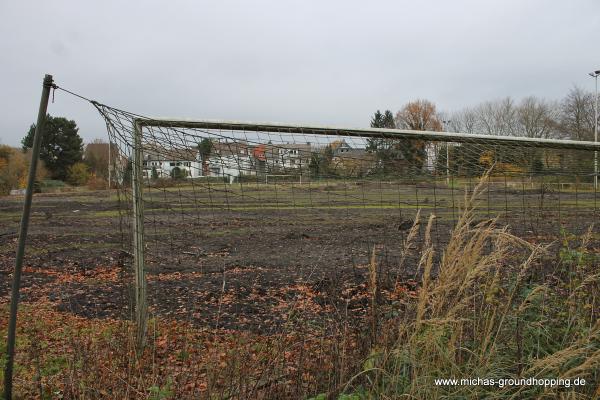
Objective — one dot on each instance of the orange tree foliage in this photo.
(419, 115)
(14, 167)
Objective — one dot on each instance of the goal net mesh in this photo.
(308, 205)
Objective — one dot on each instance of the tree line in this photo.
(569, 118)
(63, 158)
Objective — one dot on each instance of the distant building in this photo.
(164, 161)
(339, 147)
(231, 159)
(351, 161)
(227, 159)
(293, 155)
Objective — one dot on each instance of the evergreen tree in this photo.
(388, 121)
(384, 149)
(320, 163)
(205, 148)
(377, 120)
(61, 145)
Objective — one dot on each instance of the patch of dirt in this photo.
(246, 268)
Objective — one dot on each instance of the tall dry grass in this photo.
(491, 307)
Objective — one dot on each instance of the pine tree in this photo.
(388, 121)
(205, 148)
(384, 149)
(61, 145)
(377, 120)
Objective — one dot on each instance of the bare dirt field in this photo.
(246, 257)
(255, 291)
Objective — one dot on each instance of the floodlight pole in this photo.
(595, 76)
(141, 306)
(447, 163)
(14, 299)
(109, 177)
(447, 157)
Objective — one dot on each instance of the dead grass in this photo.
(492, 306)
(488, 312)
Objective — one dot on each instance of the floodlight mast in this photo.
(595, 76)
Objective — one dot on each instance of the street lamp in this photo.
(447, 156)
(595, 76)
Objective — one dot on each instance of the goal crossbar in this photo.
(367, 132)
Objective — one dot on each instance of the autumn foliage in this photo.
(14, 169)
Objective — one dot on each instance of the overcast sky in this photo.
(313, 62)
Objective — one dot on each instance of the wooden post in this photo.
(141, 306)
(16, 285)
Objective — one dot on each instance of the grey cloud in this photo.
(314, 62)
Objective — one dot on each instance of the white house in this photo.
(294, 155)
(227, 159)
(165, 161)
(232, 159)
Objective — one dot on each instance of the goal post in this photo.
(141, 304)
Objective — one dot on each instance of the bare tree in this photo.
(498, 117)
(577, 114)
(464, 121)
(96, 157)
(537, 118)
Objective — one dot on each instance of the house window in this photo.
(172, 164)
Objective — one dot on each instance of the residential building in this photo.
(165, 161)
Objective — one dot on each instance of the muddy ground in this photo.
(262, 258)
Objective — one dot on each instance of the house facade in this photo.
(164, 163)
(226, 159)
(294, 156)
(240, 158)
(231, 159)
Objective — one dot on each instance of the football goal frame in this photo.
(140, 124)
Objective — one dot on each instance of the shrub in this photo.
(97, 183)
(78, 174)
(178, 173)
(14, 169)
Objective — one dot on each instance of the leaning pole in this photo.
(16, 284)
